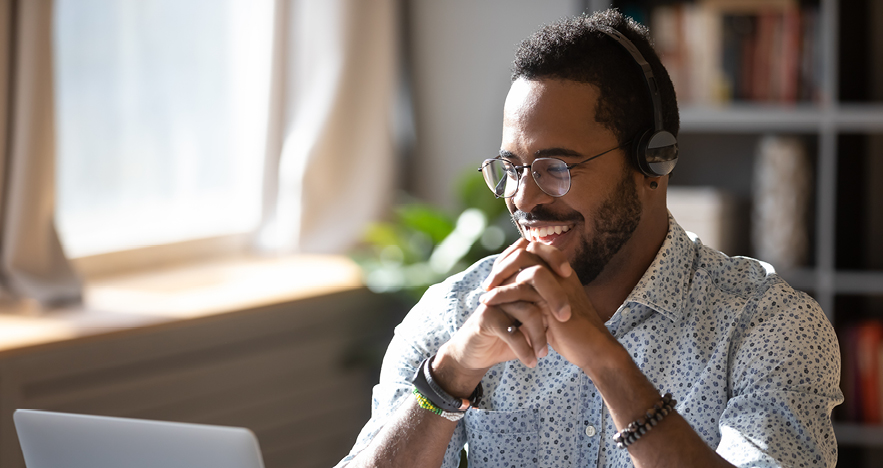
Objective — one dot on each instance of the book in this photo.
(869, 335)
(718, 51)
(861, 376)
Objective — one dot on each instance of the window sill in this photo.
(211, 287)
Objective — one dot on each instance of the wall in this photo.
(461, 53)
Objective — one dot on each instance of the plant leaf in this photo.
(424, 218)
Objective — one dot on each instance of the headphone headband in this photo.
(657, 150)
(649, 78)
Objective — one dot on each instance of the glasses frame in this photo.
(519, 169)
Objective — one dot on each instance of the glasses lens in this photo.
(551, 175)
(500, 176)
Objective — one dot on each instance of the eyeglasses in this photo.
(552, 175)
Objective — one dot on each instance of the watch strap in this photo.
(431, 390)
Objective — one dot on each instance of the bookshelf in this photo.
(839, 124)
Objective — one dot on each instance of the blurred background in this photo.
(318, 159)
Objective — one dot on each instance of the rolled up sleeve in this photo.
(419, 336)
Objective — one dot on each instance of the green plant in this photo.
(423, 244)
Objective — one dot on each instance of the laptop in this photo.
(56, 440)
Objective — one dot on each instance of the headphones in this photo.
(656, 150)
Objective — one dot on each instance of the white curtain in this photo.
(330, 159)
(31, 257)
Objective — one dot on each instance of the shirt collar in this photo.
(664, 285)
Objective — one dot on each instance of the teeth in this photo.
(546, 231)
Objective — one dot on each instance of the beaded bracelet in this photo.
(639, 427)
(426, 404)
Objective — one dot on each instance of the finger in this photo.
(516, 341)
(533, 326)
(549, 287)
(505, 268)
(519, 244)
(537, 285)
(511, 292)
(530, 316)
(552, 256)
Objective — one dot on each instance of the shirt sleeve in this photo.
(419, 336)
(784, 377)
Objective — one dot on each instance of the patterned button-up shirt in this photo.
(753, 364)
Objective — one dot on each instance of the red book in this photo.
(869, 336)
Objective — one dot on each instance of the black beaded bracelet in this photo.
(637, 428)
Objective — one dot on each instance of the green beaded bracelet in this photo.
(426, 404)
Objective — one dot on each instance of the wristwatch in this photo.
(430, 389)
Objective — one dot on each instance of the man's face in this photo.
(596, 218)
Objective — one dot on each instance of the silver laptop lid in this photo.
(56, 440)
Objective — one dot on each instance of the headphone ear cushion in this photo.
(656, 153)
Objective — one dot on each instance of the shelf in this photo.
(799, 118)
(175, 294)
(860, 118)
(804, 279)
(843, 281)
(751, 118)
(858, 282)
(858, 434)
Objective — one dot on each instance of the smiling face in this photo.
(597, 218)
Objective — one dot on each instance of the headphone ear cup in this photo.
(656, 153)
(640, 153)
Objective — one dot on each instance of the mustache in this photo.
(542, 214)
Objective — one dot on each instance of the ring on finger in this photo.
(513, 328)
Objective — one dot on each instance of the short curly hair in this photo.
(576, 49)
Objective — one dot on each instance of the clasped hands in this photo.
(532, 284)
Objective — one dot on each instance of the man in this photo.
(566, 341)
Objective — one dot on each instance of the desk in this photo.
(249, 342)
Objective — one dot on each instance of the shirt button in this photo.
(590, 431)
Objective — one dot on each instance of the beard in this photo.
(614, 223)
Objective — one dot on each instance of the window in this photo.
(161, 110)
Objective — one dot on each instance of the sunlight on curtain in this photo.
(335, 149)
(161, 115)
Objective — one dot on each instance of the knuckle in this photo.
(522, 255)
(543, 274)
(529, 272)
(488, 315)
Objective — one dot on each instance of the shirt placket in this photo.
(591, 424)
